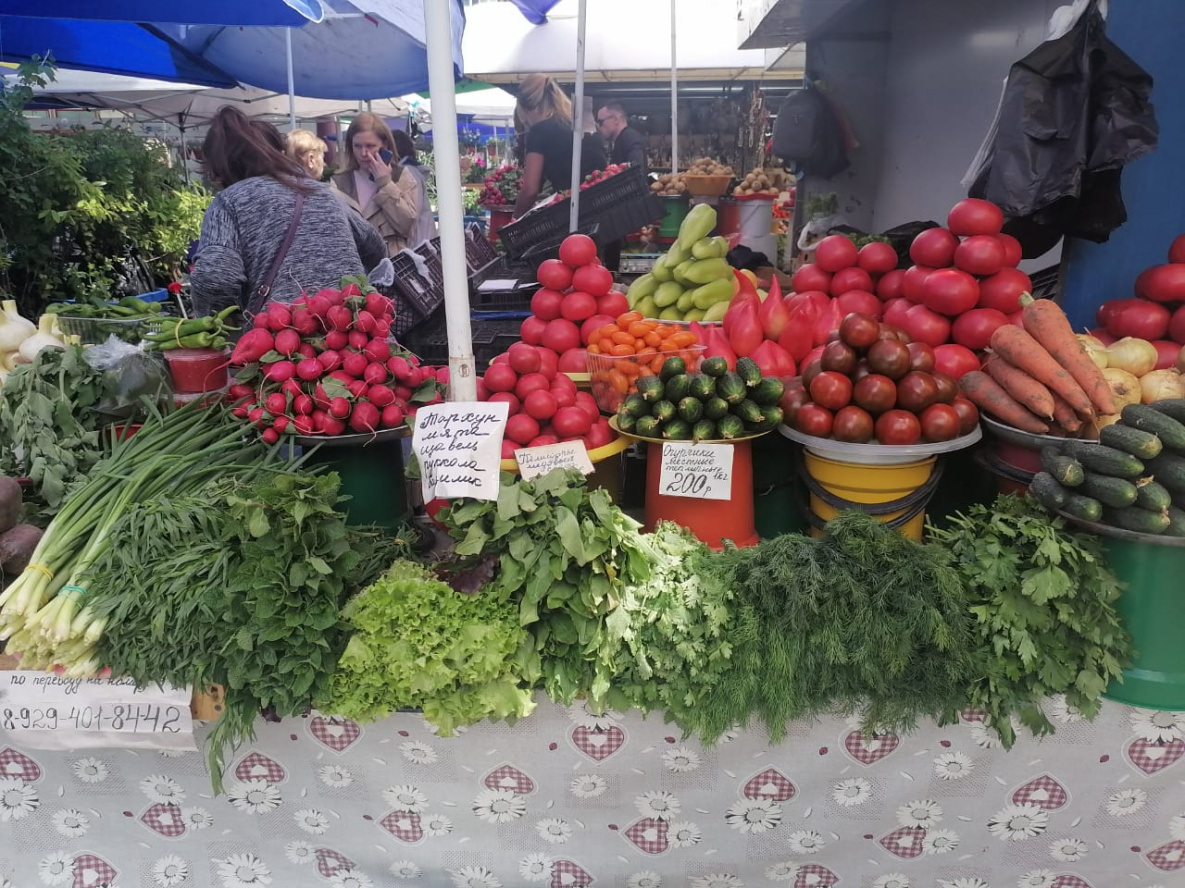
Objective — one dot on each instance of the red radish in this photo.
(954, 360)
(546, 304)
(261, 321)
(291, 387)
(392, 416)
(357, 387)
(309, 369)
(892, 285)
(413, 360)
(382, 329)
(303, 425)
(774, 316)
(850, 279)
(974, 216)
(275, 403)
(532, 329)
(554, 275)
(578, 306)
(523, 358)
(1013, 252)
(541, 404)
(571, 422)
(252, 346)
(270, 436)
(521, 428)
(379, 305)
(256, 417)
(357, 339)
(914, 281)
(320, 418)
(933, 248)
(339, 318)
(339, 407)
(350, 290)
(500, 378)
(561, 335)
(380, 396)
(532, 382)
(924, 325)
(341, 376)
(355, 364)
(302, 404)
(281, 423)
(306, 350)
(508, 398)
(333, 297)
(375, 374)
(974, 328)
(317, 306)
(593, 279)
(403, 393)
(877, 257)
(574, 360)
(242, 411)
(333, 426)
(1002, 291)
(305, 322)
(810, 277)
(365, 322)
(279, 371)
(860, 302)
(365, 417)
(377, 350)
(337, 340)
(241, 390)
(592, 325)
(329, 360)
(279, 316)
(613, 304)
(835, 252)
(399, 367)
(981, 254)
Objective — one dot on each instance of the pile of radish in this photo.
(575, 301)
(1156, 313)
(545, 406)
(323, 366)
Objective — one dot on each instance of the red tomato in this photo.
(934, 248)
(532, 382)
(1013, 252)
(554, 275)
(577, 250)
(593, 279)
(853, 425)
(940, 422)
(914, 282)
(981, 254)
(858, 330)
(955, 360)
(1177, 249)
(578, 306)
(853, 278)
(548, 361)
(921, 356)
(791, 401)
(810, 277)
(877, 258)
(861, 302)
(916, 391)
(974, 216)
(835, 252)
(1166, 354)
(507, 397)
(892, 285)
(947, 387)
(831, 390)
(1141, 319)
(613, 304)
(898, 427)
(926, 326)
(532, 330)
(546, 304)
(521, 428)
(968, 415)
(500, 377)
(571, 422)
(974, 328)
(1162, 283)
(540, 404)
(889, 357)
(599, 435)
(523, 358)
(543, 441)
(1002, 291)
(875, 393)
(838, 357)
(1177, 326)
(561, 335)
(574, 360)
(950, 292)
(588, 404)
(895, 309)
(812, 419)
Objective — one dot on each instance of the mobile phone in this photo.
(385, 155)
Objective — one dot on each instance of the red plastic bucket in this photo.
(196, 370)
(712, 521)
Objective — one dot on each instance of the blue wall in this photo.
(1153, 187)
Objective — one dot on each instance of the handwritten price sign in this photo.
(459, 446)
(697, 471)
(536, 461)
(48, 712)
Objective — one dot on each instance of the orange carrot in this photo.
(1064, 416)
(1047, 323)
(986, 394)
(1021, 350)
(1021, 386)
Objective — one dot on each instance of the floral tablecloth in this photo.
(566, 799)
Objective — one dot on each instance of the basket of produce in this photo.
(93, 320)
(614, 373)
(762, 184)
(706, 177)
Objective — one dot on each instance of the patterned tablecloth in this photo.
(566, 799)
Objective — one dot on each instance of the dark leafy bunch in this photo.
(49, 428)
(859, 620)
(1044, 604)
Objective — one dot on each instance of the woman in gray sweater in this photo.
(246, 224)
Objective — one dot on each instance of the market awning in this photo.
(272, 13)
(535, 11)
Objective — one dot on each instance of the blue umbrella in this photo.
(535, 11)
(274, 13)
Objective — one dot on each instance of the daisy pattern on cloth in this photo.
(581, 715)
(971, 882)
(254, 796)
(753, 815)
(1018, 822)
(162, 790)
(335, 776)
(17, 799)
(312, 821)
(1038, 878)
(535, 867)
(498, 806)
(1062, 712)
(436, 825)
(406, 798)
(892, 880)
(680, 760)
(940, 841)
(350, 878)
(405, 869)
(1126, 801)
(717, 880)
(1068, 850)
(197, 818)
(243, 871)
(300, 852)
(418, 753)
(56, 868)
(170, 871)
(1177, 827)
(474, 877)
(953, 766)
(90, 770)
(919, 814)
(783, 871)
(806, 841)
(553, 830)
(851, 792)
(644, 879)
(657, 803)
(1158, 726)
(71, 822)
(588, 786)
(684, 834)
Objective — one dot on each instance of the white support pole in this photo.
(442, 89)
(674, 99)
(578, 116)
(291, 81)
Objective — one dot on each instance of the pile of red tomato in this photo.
(871, 384)
(1157, 313)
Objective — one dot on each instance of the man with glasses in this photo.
(628, 147)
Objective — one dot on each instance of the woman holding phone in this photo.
(385, 194)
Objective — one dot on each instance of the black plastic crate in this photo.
(623, 187)
(539, 225)
(480, 254)
(616, 222)
(491, 337)
(506, 300)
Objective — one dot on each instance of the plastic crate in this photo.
(479, 252)
(491, 337)
(421, 291)
(544, 224)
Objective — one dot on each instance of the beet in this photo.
(10, 503)
(16, 547)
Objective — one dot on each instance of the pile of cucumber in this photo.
(712, 404)
(1133, 478)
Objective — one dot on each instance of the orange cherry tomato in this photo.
(684, 339)
(594, 349)
(619, 382)
(623, 338)
(652, 339)
(620, 350)
(627, 318)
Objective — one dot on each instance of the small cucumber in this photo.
(1176, 522)
(1152, 495)
(1141, 416)
(1104, 460)
(1114, 492)
(1174, 407)
(1066, 470)
(1048, 492)
(1137, 442)
(1083, 507)
(1138, 520)
(1169, 470)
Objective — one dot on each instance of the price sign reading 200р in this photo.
(696, 471)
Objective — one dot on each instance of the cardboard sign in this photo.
(696, 471)
(536, 461)
(45, 711)
(459, 446)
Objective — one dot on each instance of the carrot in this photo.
(1046, 322)
(1064, 416)
(1021, 350)
(1021, 386)
(986, 394)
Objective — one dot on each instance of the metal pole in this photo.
(674, 99)
(291, 81)
(441, 88)
(578, 117)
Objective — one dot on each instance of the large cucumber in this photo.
(1152, 495)
(1141, 416)
(1176, 522)
(1174, 407)
(1066, 470)
(1114, 492)
(1139, 520)
(1104, 460)
(1139, 443)
(1083, 507)
(1048, 492)
(1169, 470)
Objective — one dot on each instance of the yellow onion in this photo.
(1124, 386)
(1136, 356)
(1160, 385)
(1091, 429)
(1095, 350)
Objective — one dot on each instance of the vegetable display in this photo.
(1157, 310)
(631, 349)
(206, 332)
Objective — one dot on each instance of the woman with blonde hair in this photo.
(308, 149)
(547, 113)
(374, 185)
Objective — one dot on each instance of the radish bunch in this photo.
(323, 366)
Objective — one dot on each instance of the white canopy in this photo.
(494, 105)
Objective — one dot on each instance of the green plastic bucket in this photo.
(372, 477)
(775, 497)
(1153, 608)
(674, 210)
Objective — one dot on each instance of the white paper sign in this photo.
(44, 711)
(696, 471)
(536, 461)
(459, 446)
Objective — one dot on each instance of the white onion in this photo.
(1095, 350)
(1136, 356)
(1124, 386)
(1160, 385)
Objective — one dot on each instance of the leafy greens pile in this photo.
(418, 643)
(1043, 600)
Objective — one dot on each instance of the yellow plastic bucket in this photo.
(862, 484)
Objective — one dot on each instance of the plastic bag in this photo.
(129, 375)
(382, 275)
